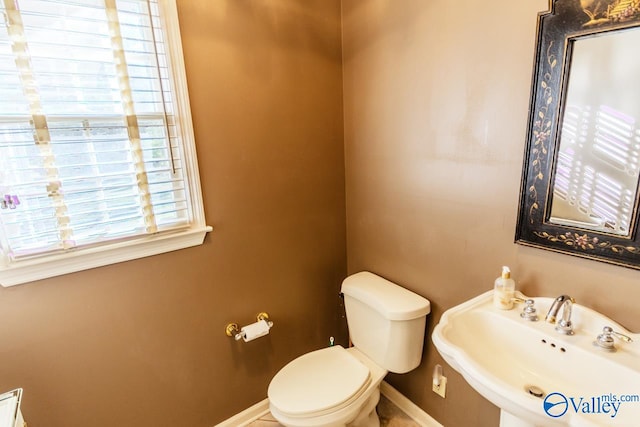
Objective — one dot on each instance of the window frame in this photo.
(51, 265)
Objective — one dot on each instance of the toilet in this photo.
(337, 387)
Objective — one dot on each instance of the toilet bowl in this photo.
(328, 387)
(337, 387)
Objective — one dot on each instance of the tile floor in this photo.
(390, 416)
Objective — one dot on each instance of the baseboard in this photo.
(247, 416)
(408, 407)
(416, 413)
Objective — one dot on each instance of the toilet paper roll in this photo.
(255, 330)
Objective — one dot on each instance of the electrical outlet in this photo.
(441, 388)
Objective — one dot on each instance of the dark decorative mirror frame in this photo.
(565, 21)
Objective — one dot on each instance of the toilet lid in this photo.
(319, 381)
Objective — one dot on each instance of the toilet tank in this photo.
(386, 321)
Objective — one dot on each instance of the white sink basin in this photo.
(502, 355)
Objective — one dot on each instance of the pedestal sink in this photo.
(537, 376)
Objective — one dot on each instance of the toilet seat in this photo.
(318, 383)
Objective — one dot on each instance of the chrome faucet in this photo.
(564, 325)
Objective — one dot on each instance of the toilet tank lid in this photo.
(392, 301)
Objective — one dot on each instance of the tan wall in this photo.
(142, 343)
(436, 95)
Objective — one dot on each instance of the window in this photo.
(97, 158)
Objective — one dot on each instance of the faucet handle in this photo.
(621, 337)
(605, 339)
(529, 312)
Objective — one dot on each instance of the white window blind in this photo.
(598, 165)
(93, 143)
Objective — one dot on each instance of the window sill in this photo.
(56, 265)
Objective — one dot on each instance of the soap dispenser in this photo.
(504, 290)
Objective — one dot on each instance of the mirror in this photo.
(595, 182)
(580, 190)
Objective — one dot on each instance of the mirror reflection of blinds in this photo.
(598, 166)
(88, 139)
(614, 142)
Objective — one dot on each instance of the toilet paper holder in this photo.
(233, 330)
